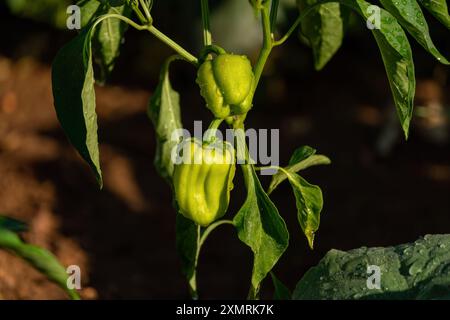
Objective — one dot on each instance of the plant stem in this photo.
(207, 50)
(120, 17)
(211, 228)
(269, 168)
(135, 7)
(207, 39)
(210, 135)
(215, 124)
(263, 53)
(146, 12)
(266, 47)
(200, 241)
(148, 25)
(243, 152)
(158, 34)
(294, 26)
(193, 279)
(175, 46)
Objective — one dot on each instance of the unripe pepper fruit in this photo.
(226, 84)
(203, 180)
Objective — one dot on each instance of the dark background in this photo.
(123, 237)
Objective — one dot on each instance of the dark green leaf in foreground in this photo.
(39, 258)
(418, 270)
(324, 29)
(74, 98)
(164, 112)
(260, 226)
(439, 9)
(411, 17)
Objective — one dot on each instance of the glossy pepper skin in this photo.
(226, 84)
(203, 181)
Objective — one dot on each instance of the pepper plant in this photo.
(228, 82)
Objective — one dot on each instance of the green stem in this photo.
(241, 145)
(215, 124)
(242, 154)
(286, 172)
(120, 17)
(193, 279)
(242, 149)
(200, 241)
(135, 7)
(295, 24)
(207, 39)
(158, 34)
(210, 49)
(270, 168)
(211, 133)
(175, 46)
(211, 228)
(266, 47)
(146, 12)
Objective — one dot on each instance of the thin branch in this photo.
(207, 39)
(266, 47)
(294, 26)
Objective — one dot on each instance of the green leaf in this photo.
(309, 202)
(39, 258)
(439, 9)
(301, 154)
(260, 226)
(397, 57)
(89, 10)
(418, 270)
(108, 35)
(107, 40)
(187, 233)
(164, 112)
(303, 158)
(273, 14)
(12, 224)
(411, 17)
(281, 291)
(74, 97)
(324, 29)
(398, 61)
